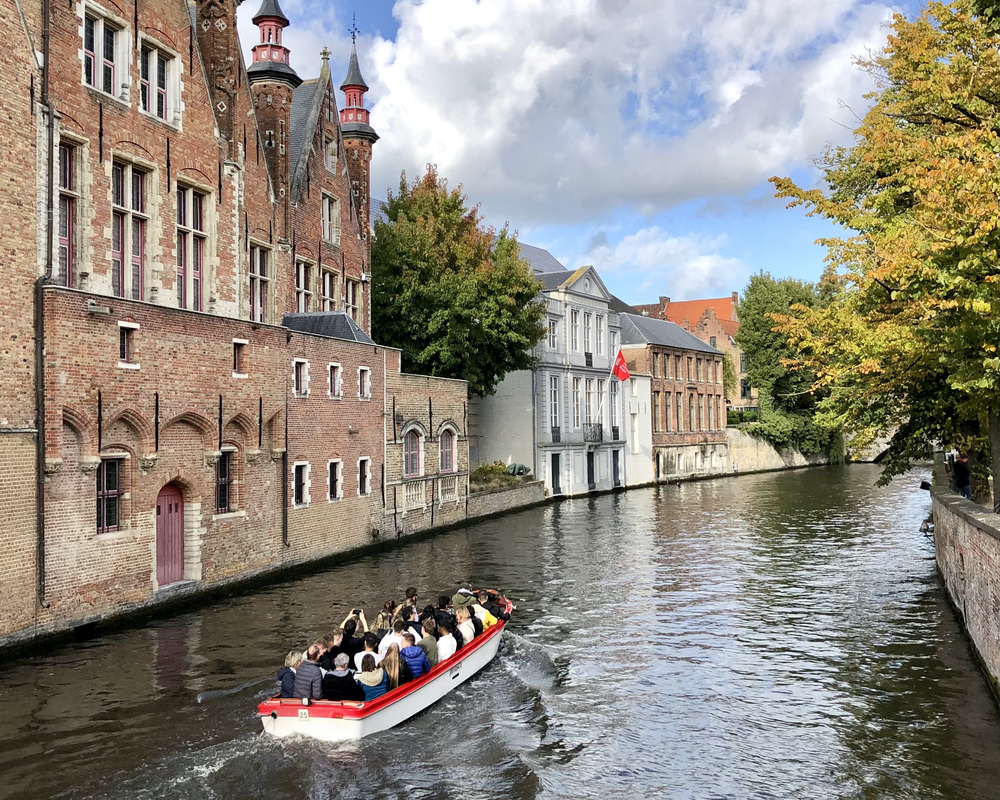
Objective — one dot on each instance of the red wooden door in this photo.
(169, 535)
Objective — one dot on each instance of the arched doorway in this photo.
(169, 535)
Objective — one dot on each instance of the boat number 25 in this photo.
(303, 713)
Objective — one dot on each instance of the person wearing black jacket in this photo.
(339, 684)
(486, 602)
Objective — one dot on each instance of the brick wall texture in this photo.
(179, 366)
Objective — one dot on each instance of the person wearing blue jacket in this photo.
(286, 675)
(372, 678)
(416, 659)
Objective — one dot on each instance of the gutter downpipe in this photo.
(40, 311)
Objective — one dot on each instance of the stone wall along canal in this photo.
(781, 635)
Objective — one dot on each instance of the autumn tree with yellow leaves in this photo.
(909, 346)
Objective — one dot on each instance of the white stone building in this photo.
(565, 418)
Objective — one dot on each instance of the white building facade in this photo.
(565, 418)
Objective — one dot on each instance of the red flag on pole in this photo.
(619, 370)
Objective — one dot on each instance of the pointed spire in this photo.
(269, 9)
(354, 72)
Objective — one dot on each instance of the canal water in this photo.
(771, 636)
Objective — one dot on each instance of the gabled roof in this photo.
(334, 324)
(540, 260)
(637, 329)
(619, 306)
(553, 280)
(691, 310)
(307, 103)
(353, 71)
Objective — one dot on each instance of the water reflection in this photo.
(781, 635)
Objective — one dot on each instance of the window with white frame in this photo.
(352, 291)
(157, 83)
(553, 401)
(599, 411)
(590, 408)
(69, 199)
(303, 286)
(553, 333)
(127, 334)
(599, 344)
(335, 381)
(300, 484)
(103, 62)
(300, 377)
(614, 343)
(129, 221)
(364, 383)
(413, 451)
(331, 219)
(260, 282)
(586, 332)
(574, 329)
(447, 446)
(329, 288)
(613, 403)
(226, 499)
(240, 358)
(364, 476)
(191, 239)
(577, 400)
(334, 479)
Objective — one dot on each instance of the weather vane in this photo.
(354, 28)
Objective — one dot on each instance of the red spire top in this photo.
(270, 56)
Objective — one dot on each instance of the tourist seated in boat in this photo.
(446, 644)
(383, 622)
(339, 683)
(371, 648)
(371, 678)
(395, 637)
(415, 658)
(286, 675)
(465, 625)
(428, 642)
(489, 603)
(352, 643)
(442, 611)
(308, 676)
(396, 669)
(408, 615)
(332, 646)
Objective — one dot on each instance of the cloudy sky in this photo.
(634, 135)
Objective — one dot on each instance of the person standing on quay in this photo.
(963, 477)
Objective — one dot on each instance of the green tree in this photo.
(452, 294)
(910, 342)
(771, 357)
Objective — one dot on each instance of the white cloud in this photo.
(651, 259)
(558, 111)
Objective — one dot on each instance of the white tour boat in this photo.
(338, 721)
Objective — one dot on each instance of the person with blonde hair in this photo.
(465, 626)
(286, 675)
(396, 669)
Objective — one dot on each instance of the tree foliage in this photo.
(452, 294)
(909, 344)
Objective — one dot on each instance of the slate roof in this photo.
(553, 280)
(353, 71)
(540, 260)
(619, 306)
(269, 8)
(259, 70)
(334, 324)
(300, 131)
(637, 329)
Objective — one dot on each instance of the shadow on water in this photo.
(780, 635)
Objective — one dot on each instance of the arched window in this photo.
(447, 451)
(412, 445)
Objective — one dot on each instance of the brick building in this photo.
(687, 408)
(191, 394)
(714, 321)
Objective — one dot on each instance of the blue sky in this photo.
(634, 135)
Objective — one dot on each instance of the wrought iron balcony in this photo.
(589, 359)
(556, 435)
(615, 433)
(593, 433)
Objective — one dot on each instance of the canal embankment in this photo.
(967, 549)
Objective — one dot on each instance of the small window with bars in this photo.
(225, 483)
(109, 495)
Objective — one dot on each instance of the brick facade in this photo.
(196, 202)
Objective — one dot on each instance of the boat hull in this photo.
(343, 721)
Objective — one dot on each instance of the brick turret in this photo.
(359, 136)
(272, 82)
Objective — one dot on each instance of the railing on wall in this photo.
(414, 495)
(448, 489)
(593, 433)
